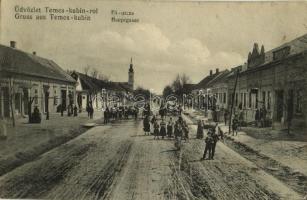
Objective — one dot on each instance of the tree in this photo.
(142, 91)
(103, 77)
(178, 83)
(167, 91)
(86, 69)
(94, 73)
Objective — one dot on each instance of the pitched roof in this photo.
(93, 84)
(204, 82)
(296, 45)
(17, 61)
(219, 77)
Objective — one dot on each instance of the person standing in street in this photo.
(185, 130)
(170, 128)
(106, 115)
(200, 130)
(146, 125)
(163, 128)
(208, 147)
(156, 130)
(215, 138)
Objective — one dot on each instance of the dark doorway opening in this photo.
(279, 104)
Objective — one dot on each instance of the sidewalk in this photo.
(26, 141)
(290, 151)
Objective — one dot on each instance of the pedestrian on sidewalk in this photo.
(75, 111)
(170, 128)
(225, 116)
(156, 130)
(200, 130)
(208, 148)
(235, 124)
(185, 129)
(163, 128)
(62, 109)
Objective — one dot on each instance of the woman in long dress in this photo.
(170, 128)
(200, 130)
(163, 128)
(156, 130)
(146, 125)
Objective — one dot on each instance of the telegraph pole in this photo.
(233, 99)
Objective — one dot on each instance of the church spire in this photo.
(131, 66)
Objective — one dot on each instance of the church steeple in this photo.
(131, 75)
(131, 66)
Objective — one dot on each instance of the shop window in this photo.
(244, 100)
(263, 99)
(55, 100)
(269, 100)
(256, 105)
(249, 99)
(299, 98)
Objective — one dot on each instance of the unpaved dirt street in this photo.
(118, 162)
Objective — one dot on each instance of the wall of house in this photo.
(34, 87)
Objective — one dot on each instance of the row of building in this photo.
(273, 81)
(28, 80)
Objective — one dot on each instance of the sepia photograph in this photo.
(153, 100)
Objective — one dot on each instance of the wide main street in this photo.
(118, 161)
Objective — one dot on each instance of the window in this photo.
(224, 100)
(256, 105)
(250, 99)
(299, 98)
(281, 53)
(263, 99)
(36, 96)
(269, 100)
(55, 100)
(244, 100)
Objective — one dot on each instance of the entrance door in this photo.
(46, 101)
(279, 104)
(63, 96)
(26, 101)
(290, 105)
(6, 102)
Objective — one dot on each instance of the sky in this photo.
(170, 38)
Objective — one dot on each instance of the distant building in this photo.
(28, 81)
(131, 76)
(99, 93)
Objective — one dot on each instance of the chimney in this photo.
(217, 70)
(210, 72)
(13, 44)
(34, 53)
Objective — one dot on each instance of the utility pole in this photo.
(233, 99)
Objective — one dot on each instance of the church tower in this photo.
(131, 76)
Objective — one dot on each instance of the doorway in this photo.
(279, 105)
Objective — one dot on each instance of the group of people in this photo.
(170, 129)
(119, 112)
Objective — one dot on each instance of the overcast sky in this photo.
(171, 37)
